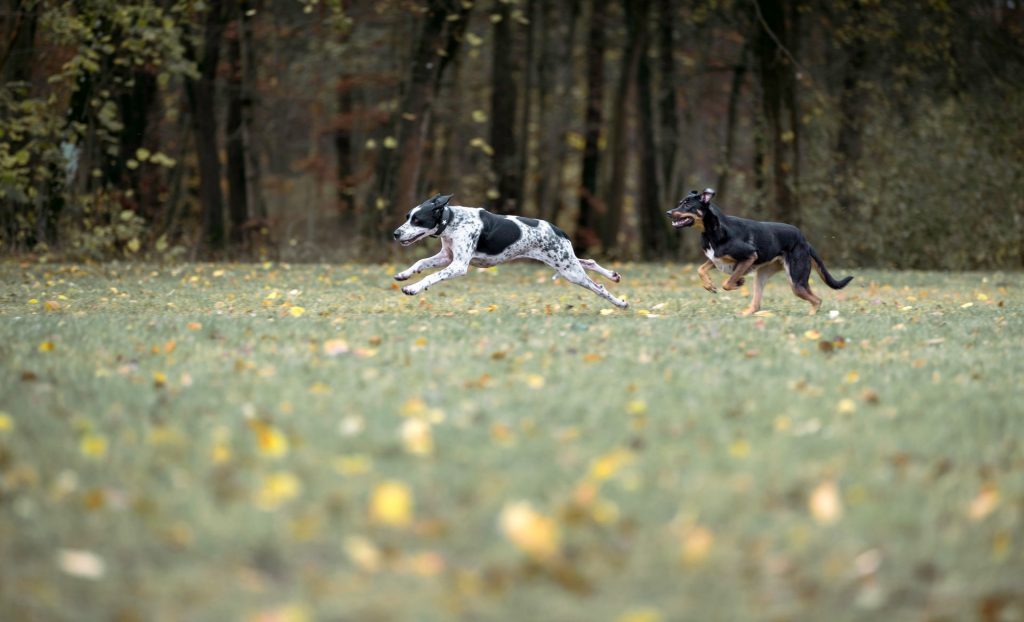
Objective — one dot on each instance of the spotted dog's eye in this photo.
(416, 221)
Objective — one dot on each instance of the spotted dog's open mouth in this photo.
(683, 221)
(412, 241)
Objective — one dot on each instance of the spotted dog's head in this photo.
(692, 210)
(425, 219)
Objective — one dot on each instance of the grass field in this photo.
(274, 442)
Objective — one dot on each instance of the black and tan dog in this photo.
(737, 246)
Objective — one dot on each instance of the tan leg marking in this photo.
(704, 278)
(736, 278)
(808, 295)
(763, 274)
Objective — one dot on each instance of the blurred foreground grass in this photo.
(274, 442)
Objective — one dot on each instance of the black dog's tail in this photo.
(823, 271)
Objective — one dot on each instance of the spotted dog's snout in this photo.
(397, 233)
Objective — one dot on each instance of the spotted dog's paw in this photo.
(615, 277)
(403, 276)
(410, 290)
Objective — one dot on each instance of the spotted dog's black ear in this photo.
(706, 196)
(439, 202)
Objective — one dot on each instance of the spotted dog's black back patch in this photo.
(560, 233)
(530, 222)
(498, 234)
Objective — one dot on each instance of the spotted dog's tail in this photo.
(823, 271)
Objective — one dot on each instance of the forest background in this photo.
(299, 130)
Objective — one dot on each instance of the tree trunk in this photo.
(739, 72)
(777, 98)
(238, 199)
(201, 98)
(654, 239)
(636, 18)
(590, 206)
(504, 93)
(19, 28)
(668, 105)
(529, 70)
(851, 114)
(555, 82)
(398, 168)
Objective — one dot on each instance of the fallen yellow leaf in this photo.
(93, 446)
(533, 533)
(296, 311)
(985, 503)
(416, 437)
(640, 614)
(825, 504)
(276, 489)
(697, 543)
(391, 503)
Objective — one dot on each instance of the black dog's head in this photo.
(692, 210)
(423, 220)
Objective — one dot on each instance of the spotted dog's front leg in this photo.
(458, 266)
(441, 259)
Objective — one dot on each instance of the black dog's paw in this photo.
(740, 281)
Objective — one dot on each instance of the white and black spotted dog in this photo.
(474, 236)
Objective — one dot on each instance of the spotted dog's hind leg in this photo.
(572, 270)
(593, 266)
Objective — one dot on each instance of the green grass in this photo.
(191, 434)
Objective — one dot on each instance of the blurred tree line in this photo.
(891, 132)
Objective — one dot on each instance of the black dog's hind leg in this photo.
(764, 273)
(798, 267)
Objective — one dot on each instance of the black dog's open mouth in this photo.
(683, 221)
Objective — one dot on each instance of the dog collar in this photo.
(446, 217)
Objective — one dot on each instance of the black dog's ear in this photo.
(705, 197)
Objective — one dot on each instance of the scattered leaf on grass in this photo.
(984, 503)
(825, 504)
(535, 534)
(416, 437)
(391, 504)
(81, 563)
(363, 553)
(334, 347)
(276, 489)
(641, 614)
(93, 446)
(696, 544)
